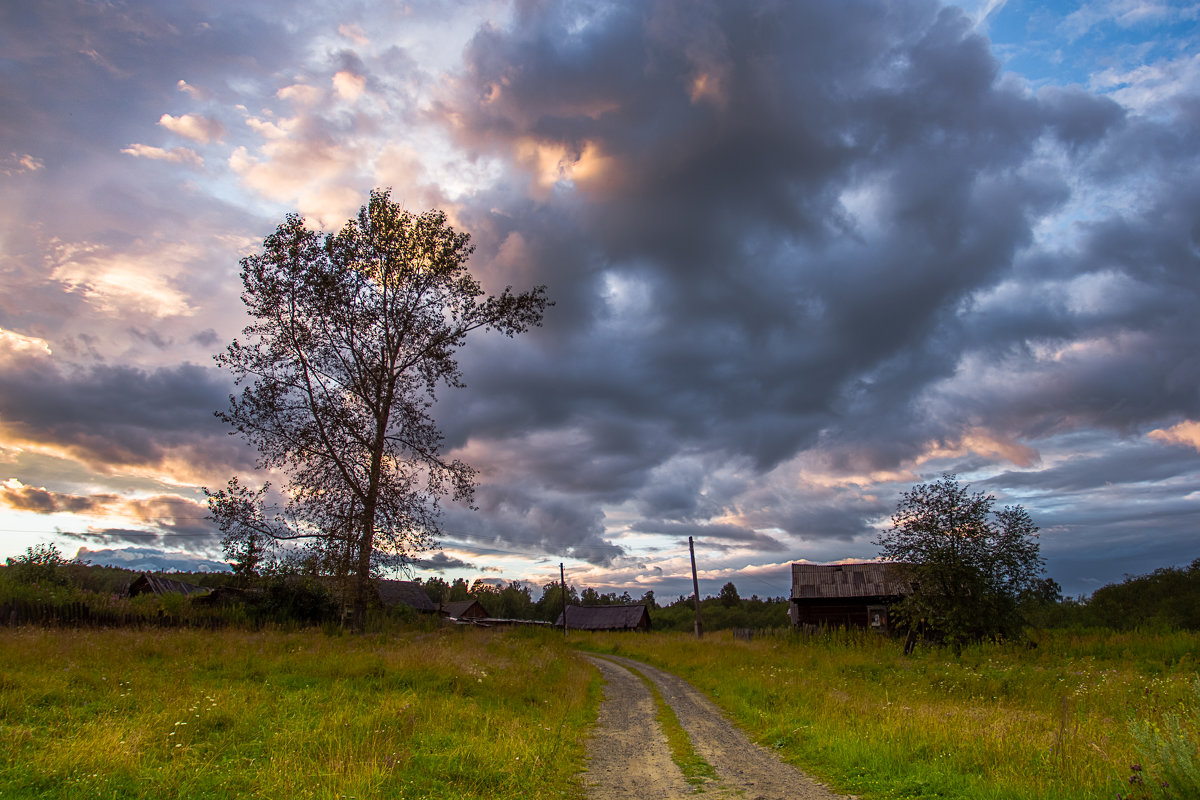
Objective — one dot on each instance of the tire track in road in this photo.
(628, 739)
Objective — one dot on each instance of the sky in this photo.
(803, 256)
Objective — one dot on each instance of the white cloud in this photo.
(15, 164)
(13, 344)
(301, 93)
(184, 86)
(176, 155)
(140, 279)
(1149, 86)
(1127, 14)
(194, 127)
(349, 86)
(354, 33)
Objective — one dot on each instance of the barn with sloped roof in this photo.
(408, 593)
(607, 618)
(463, 609)
(158, 585)
(845, 595)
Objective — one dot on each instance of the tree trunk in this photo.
(362, 582)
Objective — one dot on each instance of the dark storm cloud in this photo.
(42, 501)
(715, 535)
(764, 299)
(813, 227)
(121, 416)
(530, 521)
(440, 562)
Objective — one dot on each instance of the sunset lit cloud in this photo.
(1186, 433)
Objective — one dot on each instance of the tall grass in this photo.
(237, 714)
(1169, 744)
(1001, 721)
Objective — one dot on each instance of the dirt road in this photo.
(628, 756)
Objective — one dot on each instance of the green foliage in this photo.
(173, 604)
(753, 613)
(437, 590)
(550, 604)
(459, 590)
(968, 566)
(593, 597)
(1168, 597)
(293, 598)
(514, 601)
(729, 596)
(41, 564)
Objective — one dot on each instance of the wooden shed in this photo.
(156, 584)
(845, 595)
(607, 618)
(463, 609)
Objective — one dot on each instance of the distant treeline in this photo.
(57, 589)
(1167, 599)
(515, 600)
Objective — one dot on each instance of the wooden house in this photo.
(606, 618)
(463, 609)
(156, 584)
(845, 595)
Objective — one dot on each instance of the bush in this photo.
(294, 598)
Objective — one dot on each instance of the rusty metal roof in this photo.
(872, 579)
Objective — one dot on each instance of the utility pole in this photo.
(562, 583)
(695, 590)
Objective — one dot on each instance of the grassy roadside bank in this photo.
(236, 714)
(1002, 721)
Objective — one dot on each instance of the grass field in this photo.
(187, 714)
(1001, 721)
(476, 713)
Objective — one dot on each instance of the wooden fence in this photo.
(81, 615)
